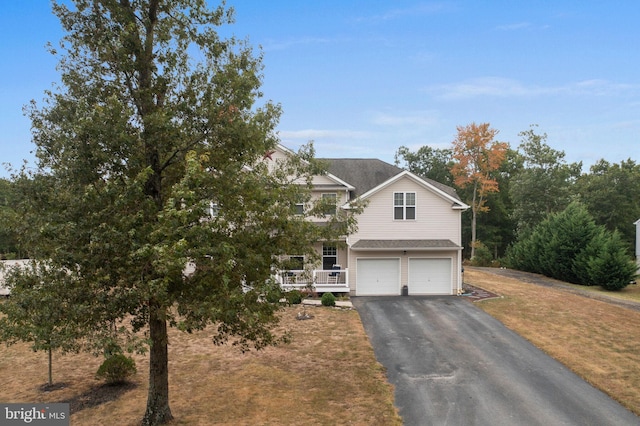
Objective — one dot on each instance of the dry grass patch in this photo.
(630, 292)
(328, 375)
(597, 340)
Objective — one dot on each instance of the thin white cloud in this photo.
(424, 57)
(415, 118)
(521, 26)
(271, 45)
(507, 88)
(398, 13)
(514, 27)
(602, 87)
(485, 86)
(628, 124)
(313, 134)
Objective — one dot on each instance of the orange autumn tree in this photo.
(477, 155)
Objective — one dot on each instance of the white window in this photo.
(330, 201)
(296, 263)
(404, 205)
(299, 208)
(329, 256)
(214, 209)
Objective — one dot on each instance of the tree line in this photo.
(516, 195)
(518, 190)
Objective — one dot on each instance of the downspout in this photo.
(460, 284)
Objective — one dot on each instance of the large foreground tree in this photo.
(152, 154)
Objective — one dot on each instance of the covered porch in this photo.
(319, 280)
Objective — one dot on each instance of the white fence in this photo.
(334, 281)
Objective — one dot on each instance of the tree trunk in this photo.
(50, 366)
(474, 213)
(158, 411)
(473, 231)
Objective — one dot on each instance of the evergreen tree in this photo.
(569, 232)
(606, 262)
(569, 246)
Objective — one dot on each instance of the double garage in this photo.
(386, 276)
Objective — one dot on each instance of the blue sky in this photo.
(363, 77)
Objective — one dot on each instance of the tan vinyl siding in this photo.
(435, 217)
(323, 180)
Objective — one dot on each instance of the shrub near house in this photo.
(569, 246)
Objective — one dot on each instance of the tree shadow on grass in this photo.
(50, 387)
(98, 395)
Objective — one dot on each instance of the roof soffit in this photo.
(456, 204)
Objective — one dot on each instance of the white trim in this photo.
(409, 249)
(398, 281)
(451, 272)
(404, 206)
(457, 204)
(340, 182)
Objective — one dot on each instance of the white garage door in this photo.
(429, 276)
(378, 277)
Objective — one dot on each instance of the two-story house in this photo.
(408, 239)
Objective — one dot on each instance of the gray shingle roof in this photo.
(404, 244)
(367, 173)
(363, 173)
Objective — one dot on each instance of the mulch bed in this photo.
(475, 294)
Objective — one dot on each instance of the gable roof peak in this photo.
(363, 173)
(366, 174)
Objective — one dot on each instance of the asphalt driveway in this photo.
(453, 364)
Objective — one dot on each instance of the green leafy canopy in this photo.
(157, 117)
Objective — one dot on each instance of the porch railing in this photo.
(335, 281)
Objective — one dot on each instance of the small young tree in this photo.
(483, 255)
(38, 313)
(476, 155)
